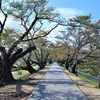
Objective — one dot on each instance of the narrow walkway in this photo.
(56, 85)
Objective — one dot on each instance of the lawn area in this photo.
(36, 67)
(86, 78)
(22, 73)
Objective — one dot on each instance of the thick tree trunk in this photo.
(29, 67)
(41, 65)
(6, 76)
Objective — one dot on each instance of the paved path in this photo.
(56, 85)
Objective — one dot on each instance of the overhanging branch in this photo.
(41, 35)
(2, 24)
(23, 36)
(29, 49)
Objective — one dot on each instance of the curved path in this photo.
(56, 85)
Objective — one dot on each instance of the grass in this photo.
(20, 74)
(36, 67)
(84, 77)
(86, 70)
(23, 73)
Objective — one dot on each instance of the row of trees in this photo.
(28, 46)
(23, 44)
(81, 41)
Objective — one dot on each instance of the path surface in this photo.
(56, 85)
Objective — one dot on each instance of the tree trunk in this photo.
(28, 67)
(74, 68)
(99, 85)
(6, 76)
(41, 65)
(67, 65)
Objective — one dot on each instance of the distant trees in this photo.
(81, 34)
(31, 15)
(79, 42)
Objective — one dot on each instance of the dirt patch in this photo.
(23, 88)
(87, 88)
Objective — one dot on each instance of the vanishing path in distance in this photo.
(56, 85)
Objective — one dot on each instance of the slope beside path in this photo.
(56, 85)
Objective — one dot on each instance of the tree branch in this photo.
(84, 57)
(42, 35)
(2, 24)
(13, 59)
(22, 37)
(34, 62)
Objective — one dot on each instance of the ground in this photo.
(22, 89)
(87, 88)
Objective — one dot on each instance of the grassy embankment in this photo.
(86, 78)
(86, 75)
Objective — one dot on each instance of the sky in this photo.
(70, 8)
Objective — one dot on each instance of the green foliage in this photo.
(27, 9)
(9, 36)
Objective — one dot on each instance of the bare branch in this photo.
(34, 62)
(29, 49)
(37, 29)
(3, 24)
(23, 36)
(42, 35)
(84, 57)
(94, 56)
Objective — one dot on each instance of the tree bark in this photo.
(28, 67)
(67, 65)
(6, 75)
(41, 65)
(99, 85)
(74, 68)
(7, 63)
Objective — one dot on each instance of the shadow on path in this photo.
(56, 85)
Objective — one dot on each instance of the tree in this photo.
(79, 28)
(30, 14)
(9, 36)
(80, 34)
(28, 63)
(65, 41)
(41, 54)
